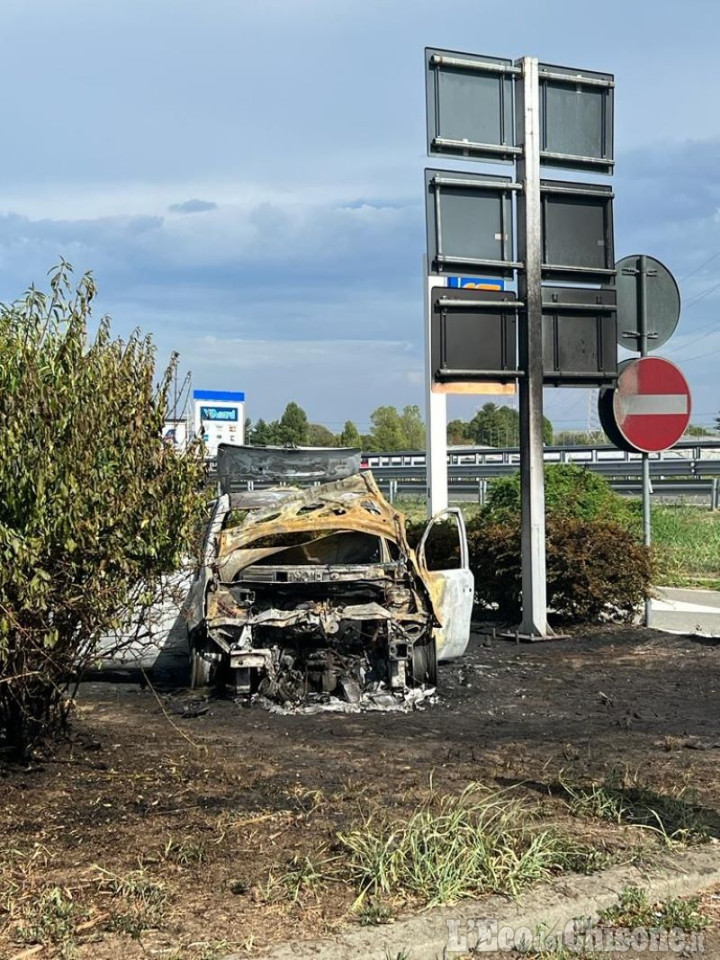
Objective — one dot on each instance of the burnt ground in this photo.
(153, 833)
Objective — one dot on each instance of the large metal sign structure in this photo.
(536, 232)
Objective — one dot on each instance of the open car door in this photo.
(453, 589)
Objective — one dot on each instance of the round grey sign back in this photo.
(662, 301)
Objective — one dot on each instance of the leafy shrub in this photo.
(93, 506)
(596, 565)
(571, 491)
(594, 568)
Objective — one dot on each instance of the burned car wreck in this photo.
(316, 590)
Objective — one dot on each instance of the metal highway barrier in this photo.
(667, 488)
(620, 468)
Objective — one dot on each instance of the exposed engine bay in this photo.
(313, 592)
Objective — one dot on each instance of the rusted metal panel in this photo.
(279, 464)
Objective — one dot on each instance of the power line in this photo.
(702, 336)
(701, 296)
(700, 356)
(698, 269)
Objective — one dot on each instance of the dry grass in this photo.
(622, 798)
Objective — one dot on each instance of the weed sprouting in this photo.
(185, 852)
(634, 909)
(143, 901)
(52, 920)
(371, 914)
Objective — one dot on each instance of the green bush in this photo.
(94, 508)
(571, 491)
(595, 568)
(596, 565)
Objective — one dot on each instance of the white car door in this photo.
(452, 590)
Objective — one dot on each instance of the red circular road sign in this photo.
(649, 409)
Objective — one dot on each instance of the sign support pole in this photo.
(435, 414)
(534, 579)
(646, 487)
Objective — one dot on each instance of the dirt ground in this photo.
(153, 833)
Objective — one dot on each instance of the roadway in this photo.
(686, 611)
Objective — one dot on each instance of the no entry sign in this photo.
(649, 409)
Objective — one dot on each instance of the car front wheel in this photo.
(424, 663)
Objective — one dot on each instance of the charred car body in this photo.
(317, 590)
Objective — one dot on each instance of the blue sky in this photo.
(245, 178)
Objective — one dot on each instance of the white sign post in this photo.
(435, 414)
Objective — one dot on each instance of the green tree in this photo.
(293, 426)
(319, 436)
(94, 507)
(548, 432)
(263, 434)
(386, 430)
(457, 433)
(392, 430)
(350, 436)
(413, 428)
(577, 438)
(499, 426)
(490, 428)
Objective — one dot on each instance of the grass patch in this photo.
(303, 877)
(187, 852)
(455, 847)
(687, 545)
(635, 910)
(141, 901)
(372, 914)
(52, 920)
(674, 817)
(632, 918)
(415, 508)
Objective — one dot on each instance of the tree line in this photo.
(390, 429)
(492, 425)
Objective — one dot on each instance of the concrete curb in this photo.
(550, 906)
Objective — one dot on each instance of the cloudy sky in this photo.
(244, 177)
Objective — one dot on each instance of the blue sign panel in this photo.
(229, 396)
(475, 283)
(219, 414)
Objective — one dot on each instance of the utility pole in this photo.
(646, 486)
(530, 386)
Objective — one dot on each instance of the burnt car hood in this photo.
(304, 517)
(352, 504)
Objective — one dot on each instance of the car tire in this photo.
(201, 670)
(424, 663)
